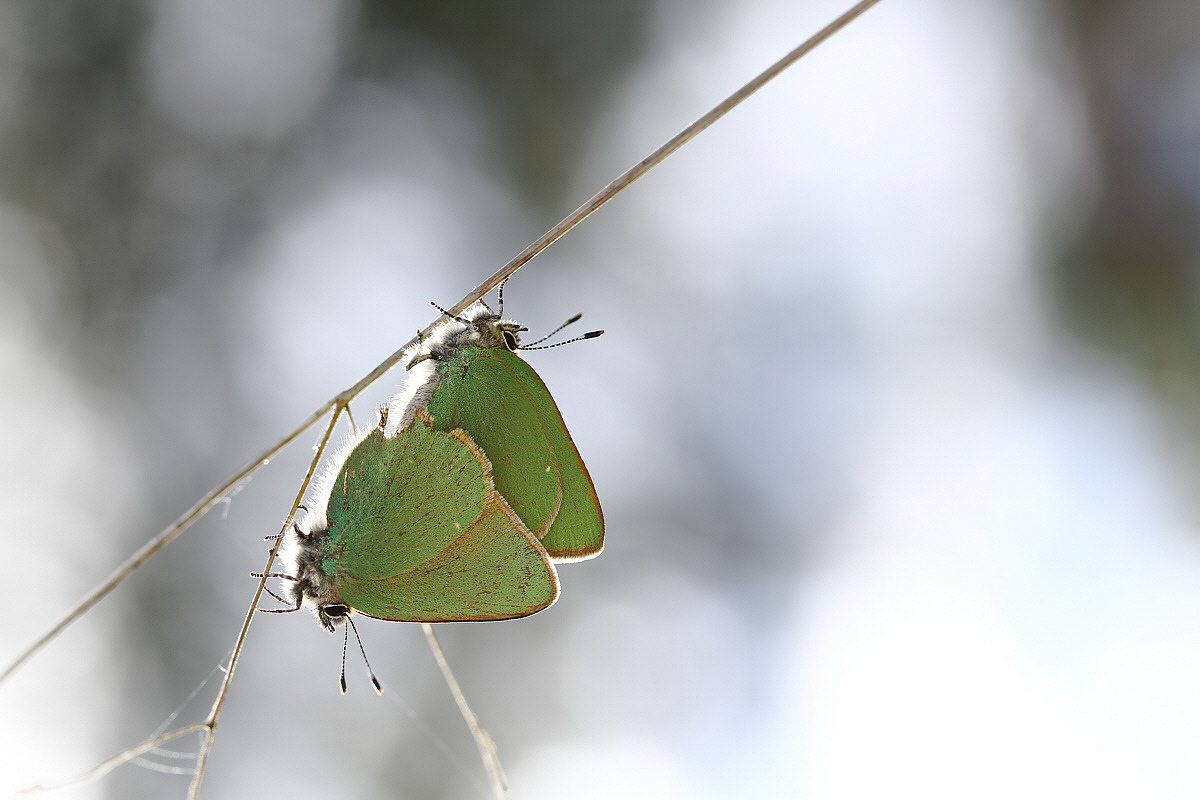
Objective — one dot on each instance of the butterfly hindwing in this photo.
(486, 574)
(417, 532)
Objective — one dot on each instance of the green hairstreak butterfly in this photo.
(467, 376)
(414, 530)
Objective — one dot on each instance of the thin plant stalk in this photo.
(340, 404)
(487, 747)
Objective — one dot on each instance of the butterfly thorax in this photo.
(314, 583)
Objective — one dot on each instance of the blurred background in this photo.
(896, 422)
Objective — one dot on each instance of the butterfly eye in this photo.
(336, 610)
(510, 340)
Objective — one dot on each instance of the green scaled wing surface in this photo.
(498, 399)
(418, 533)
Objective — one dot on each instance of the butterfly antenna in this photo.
(500, 298)
(588, 335)
(448, 314)
(363, 650)
(345, 642)
(571, 321)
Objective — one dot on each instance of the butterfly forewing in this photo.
(496, 397)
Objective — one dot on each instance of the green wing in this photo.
(398, 502)
(495, 570)
(502, 403)
(417, 532)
